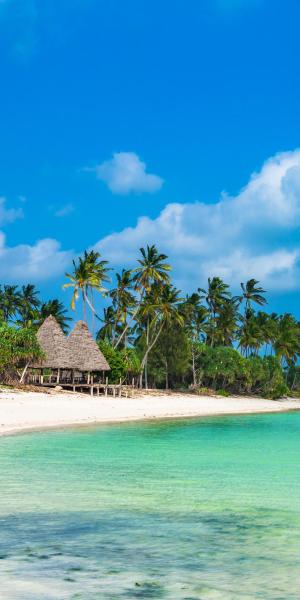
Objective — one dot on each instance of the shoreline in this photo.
(29, 412)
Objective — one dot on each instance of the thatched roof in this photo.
(54, 345)
(78, 351)
(84, 352)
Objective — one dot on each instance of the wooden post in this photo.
(106, 384)
(92, 390)
(88, 378)
(42, 376)
(58, 376)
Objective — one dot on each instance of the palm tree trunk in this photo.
(129, 322)
(93, 312)
(84, 306)
(126, 328)
(151, 346)
(193, 366)
(167, 375)
(24, 372)
(147, 344)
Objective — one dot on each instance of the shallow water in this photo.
(204, 509)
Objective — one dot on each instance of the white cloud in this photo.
(254, 234)
(125, 173)
(41, 261)
(8, 215)
(65, 210)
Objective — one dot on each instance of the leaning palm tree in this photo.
(252, 292)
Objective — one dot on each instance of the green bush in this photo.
(224, 393)
(123, 363)
(274, 384)
(223, 368)
(17, 348)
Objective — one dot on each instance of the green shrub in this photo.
(123, 363)
(274, 385)
(17, 348)
(223, 367)
(224, 393)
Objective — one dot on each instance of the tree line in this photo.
(149, 330)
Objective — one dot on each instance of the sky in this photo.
(127, 122)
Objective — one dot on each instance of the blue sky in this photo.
(127, 122)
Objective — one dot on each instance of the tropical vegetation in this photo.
(151, 332)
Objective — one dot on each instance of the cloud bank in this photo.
(39, 262)
(253, 234)
(125, 173)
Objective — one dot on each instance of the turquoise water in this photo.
(205, 509)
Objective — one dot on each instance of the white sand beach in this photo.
(22, 411)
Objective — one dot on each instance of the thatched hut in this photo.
(85, 354)
(54, 345)
(70, 361)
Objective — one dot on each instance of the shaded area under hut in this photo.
(73, 362)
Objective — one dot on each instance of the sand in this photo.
(26, 411)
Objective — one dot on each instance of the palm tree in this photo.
(152, 269)
(252, 292)
(226, 323)
(216, 295)
(108, 329)
(195, 319)
(163, 309)
(123, 299)
(250, 335)
(56, 309)
(29, 303)
(268, 326)
(88, 275)
(287, 342)
(10, 302)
